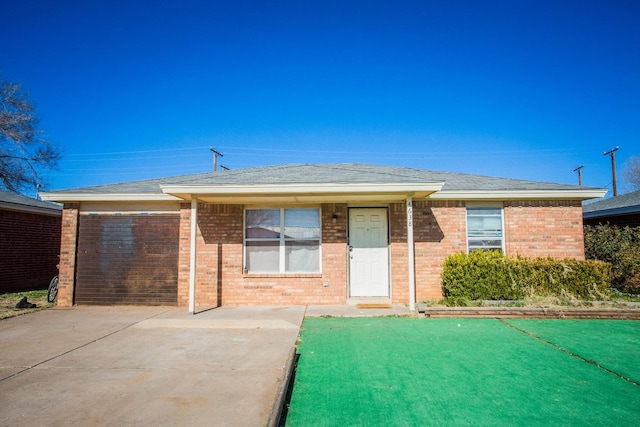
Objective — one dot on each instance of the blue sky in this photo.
(141, 89)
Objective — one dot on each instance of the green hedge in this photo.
(492, 276)
(619, 246)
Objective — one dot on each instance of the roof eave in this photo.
(320, 192)
(107, 197)
(52, 211)
(569, 194)
(612, 212)
(302, 192)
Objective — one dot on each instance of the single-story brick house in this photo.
(621, 211)
(301, 234)
(29, 242)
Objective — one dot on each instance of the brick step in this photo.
(531, 312)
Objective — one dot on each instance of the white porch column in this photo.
(410, 256)
(192, 255)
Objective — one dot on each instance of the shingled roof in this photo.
(331, 173)
(18, 202)
(623, 204)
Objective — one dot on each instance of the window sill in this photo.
(278, 275)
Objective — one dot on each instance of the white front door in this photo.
(368, 252)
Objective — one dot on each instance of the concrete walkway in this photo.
(354, 311)
(144, 366)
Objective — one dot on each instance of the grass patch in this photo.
(8, 303)
(616, 295)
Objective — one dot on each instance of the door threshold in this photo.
(369, 300)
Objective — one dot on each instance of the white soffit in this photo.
(302, 193)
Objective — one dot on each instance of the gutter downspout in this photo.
(192, 256)
(410, 256)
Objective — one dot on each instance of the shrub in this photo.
(490, 275)
(621, 248)
(478, 275)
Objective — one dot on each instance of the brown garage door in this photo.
(127, 259)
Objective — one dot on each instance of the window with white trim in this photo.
(484, 229)
(282, 240)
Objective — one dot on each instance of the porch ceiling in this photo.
(302, 193)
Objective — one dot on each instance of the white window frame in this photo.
(281, 241)
(502, 233)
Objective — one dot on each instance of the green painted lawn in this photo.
(478, 372)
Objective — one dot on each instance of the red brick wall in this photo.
(68, 245)
(399, 268)
(218, 252)
(532, 228)
(29, 248)
(544, 228)
(220, 279)
(439, 229)
(183, 254)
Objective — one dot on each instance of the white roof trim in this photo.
(107, 197)
(575, 194)
(276, 190)
(355, 191)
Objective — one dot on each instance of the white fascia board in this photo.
(576, 194)
(612, 212)
(289, 189)
(107, 197)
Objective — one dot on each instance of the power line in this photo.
(244, 149)
(135, 151)
(130, 158)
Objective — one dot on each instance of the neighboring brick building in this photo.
(301, 234)
(620, 211)
(29, 242)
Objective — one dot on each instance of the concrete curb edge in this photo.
(281, 395)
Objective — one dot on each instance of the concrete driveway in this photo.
(126, 366)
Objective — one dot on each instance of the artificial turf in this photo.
(479, 372)
(612, 344)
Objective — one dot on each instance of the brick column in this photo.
(68, 245)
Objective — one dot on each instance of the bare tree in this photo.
(631, 172)
(23, 151)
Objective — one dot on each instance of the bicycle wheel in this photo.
(52, 293)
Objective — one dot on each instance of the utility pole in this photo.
(215, 157)
(579, 169)
(613, 169)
